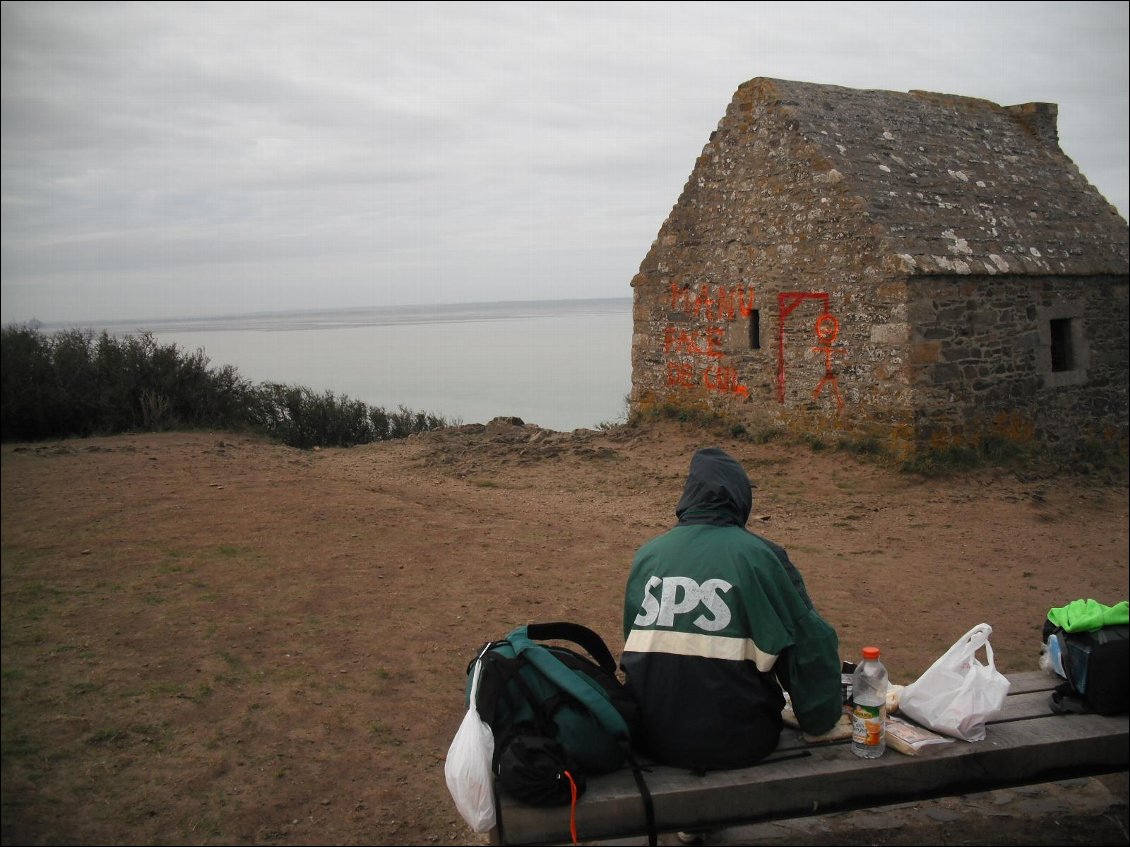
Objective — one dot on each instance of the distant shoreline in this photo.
(350, 316)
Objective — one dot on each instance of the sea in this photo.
(559, 364)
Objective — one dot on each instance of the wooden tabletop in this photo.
(1025, 743)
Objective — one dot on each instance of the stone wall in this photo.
(764, 233)
(773, 293)
(981, 349)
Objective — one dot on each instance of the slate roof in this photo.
(955, 184)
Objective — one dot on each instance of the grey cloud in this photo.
(463, 151)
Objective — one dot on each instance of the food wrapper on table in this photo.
(908, 738)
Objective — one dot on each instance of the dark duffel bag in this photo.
(1096, 667)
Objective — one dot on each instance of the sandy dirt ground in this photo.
(213, 639)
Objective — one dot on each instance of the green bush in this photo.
(73, 383)
(300, 417)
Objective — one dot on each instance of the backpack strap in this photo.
(567, 680)
(580, 635)
(645, 797)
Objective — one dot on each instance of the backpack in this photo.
(558, 716)
(1094, 664)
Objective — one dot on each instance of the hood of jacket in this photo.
(717, 491)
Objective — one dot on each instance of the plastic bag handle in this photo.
(971, 642)
(477, 662)
(977, 638)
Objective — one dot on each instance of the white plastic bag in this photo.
(468, 766)
(957, 694)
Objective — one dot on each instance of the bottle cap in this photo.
(871, 653)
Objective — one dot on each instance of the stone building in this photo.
(928, 269)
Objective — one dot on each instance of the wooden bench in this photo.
(1026, 743)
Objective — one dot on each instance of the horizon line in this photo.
(272, 313)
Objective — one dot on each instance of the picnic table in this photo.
(1026, 743)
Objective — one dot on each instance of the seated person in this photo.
(717, 621)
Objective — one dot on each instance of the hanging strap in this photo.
(572, 806)
(645, 796)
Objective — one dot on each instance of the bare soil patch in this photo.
(209, 638)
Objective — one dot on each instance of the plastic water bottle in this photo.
(869, 706)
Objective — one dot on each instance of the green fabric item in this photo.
(1086, 615)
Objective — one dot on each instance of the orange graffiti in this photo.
(712, 307)
(717, 305)
(724, 380)
(720, 378)
(707, 342)
(827, 329)
(681, 375)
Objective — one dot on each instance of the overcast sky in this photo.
(194, 159)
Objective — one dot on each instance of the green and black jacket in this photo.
(717, 621)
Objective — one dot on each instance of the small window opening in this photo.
(755, 329)
(1063, 358)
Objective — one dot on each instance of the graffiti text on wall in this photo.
(719, 304)
(827, 329)
(700, 350)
